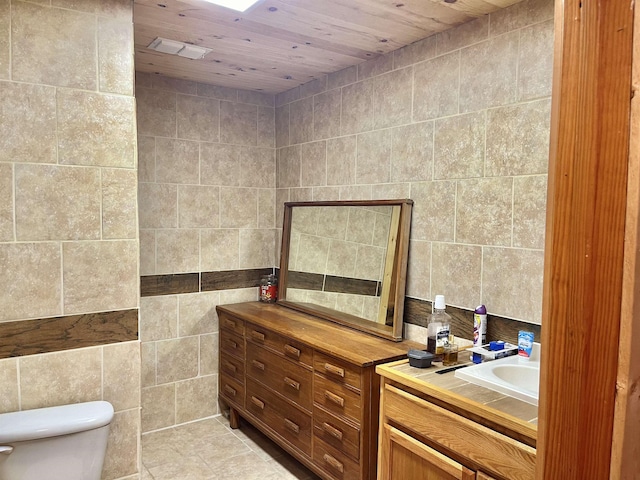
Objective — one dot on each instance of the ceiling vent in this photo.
(174, 47)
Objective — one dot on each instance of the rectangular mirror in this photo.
(346, 261)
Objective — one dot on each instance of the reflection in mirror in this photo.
(345, 261)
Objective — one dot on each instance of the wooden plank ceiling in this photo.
(279, 44)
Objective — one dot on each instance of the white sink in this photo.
(510, 375)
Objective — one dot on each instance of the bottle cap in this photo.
(439, 303)
(481, 310)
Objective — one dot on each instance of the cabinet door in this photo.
(404, 457)
(484, 476)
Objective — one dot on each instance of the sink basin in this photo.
(510, 375)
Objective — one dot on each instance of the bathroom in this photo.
(138, 196)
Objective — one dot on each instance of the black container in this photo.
(420, 358)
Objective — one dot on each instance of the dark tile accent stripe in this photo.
(44, 335)
(232, 279)
(152, 285)
(417, 311)
(350, 285)
(305, 281)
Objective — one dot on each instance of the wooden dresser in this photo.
(307, 383)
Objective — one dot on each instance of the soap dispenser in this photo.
(438, 327)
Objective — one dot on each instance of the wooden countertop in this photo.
(498, 411)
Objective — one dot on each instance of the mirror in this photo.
(346, 261)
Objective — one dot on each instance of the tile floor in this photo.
(211, 450)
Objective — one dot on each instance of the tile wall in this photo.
(68, 203)
(207, 204)
(458, 122)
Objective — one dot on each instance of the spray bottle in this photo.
(479, 326)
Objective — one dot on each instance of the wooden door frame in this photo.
(587, 304)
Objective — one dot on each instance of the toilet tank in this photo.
(66, 442)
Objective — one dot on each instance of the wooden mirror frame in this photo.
(393, 283)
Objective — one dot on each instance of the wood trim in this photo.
(153, 285)
(227, 280)
(584, 237)
(45, 335)
(625, 449)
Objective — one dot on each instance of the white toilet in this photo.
(55, 443)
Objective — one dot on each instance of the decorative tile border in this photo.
(45, 335)
(330, 283)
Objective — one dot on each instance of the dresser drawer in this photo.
(285, 377)
(291, 423)
(335, 431)
(233, 367)
(334, 462)
(337, 370)
(231, 390)
(232, 344)
(498, 454)
(336, 398)
(289, 348)
(232, 324)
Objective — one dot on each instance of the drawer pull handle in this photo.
(291, 426)
(257, 336)
(230, 323)
(292, 383)
(332, 397)
(233, 344)
(333, 431)
(333, 462)
(333, 369)
(230, 367)
(231, 391)
(291, 351)
(258, 365)
(257, 402)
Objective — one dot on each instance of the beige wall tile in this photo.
(121, 375)
(266, 127)
(373, 157)
(257, 167)
(288, 96)
(436, 87)
(31, 280)
(198, 118)
(313, 167)
(6, 203)
(535, 61)
(5, 35)
(267, 208)
(520, 15)
(219, 250)
(462, 36)
(512, 283)
(318, 251)
(146, 159)
(115, 56)
(282, 126)
(197, 313)
(529, 211)
(238, 207)
(484, 211)
(355, 192)
(158, 205)
(412, 153)
(351, 304)
(61, 203)
(256, 98)
(143, 80)
(220, 164)
(238, 123)
(341, 161)
(28, 123)
(214, 91)
(158, 317)
(209, 354)
(518, 139)
(100, 276)
(177, 161)
(369, 262)
(256, 248)
(122, 448)
(458, 146)
(375, 66)
(9, 397)
(61, 378)
(147, 364)
(196, 398)
(390, 190)
(177, 359)
(198, 206)
(147, 252)
(341, 259)
(415, 52)
(456, 273)
(433, 216)
(39, 34)
(288, 167)
(313, 87)
(238, 295)
(158, 407)
(177, 251)
(419, 270)
(301, 121)
(178, 85)
(392, 97)
(357, 108)
(326, 114)
(119, 203)
(156, 112)
(342, 77)
(488, 72)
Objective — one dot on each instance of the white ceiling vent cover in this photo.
(174, 47)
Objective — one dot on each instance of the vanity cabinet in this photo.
(429, 433)
(307, 383)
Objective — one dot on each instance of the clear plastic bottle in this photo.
(438, 327)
